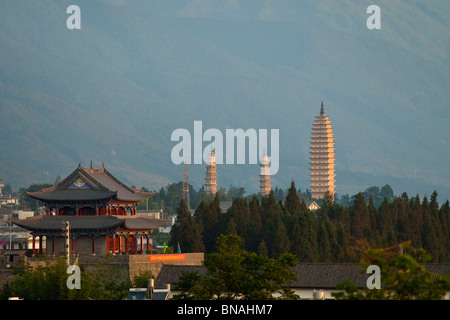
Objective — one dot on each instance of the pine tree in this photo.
(323, 241)
(429, 234)
(292, 203)
(207, 215)
(185, 231)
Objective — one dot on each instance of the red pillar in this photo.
(142, 243)
(148, 241)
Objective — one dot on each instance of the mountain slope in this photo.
(115, 90)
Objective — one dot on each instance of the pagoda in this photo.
(100, 211)
(211, 178)
(322, 157)
(264, 176)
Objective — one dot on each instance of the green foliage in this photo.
(403, 277)
(185, 231)
(233, 273)
(330, 233)
(49, 282)
(142, 279)
(27, 202)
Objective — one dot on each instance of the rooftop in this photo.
(310, 275)
(89, 184)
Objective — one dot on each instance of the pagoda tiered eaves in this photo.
(322, 157)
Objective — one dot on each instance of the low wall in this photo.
(129, 265)
(153, 263)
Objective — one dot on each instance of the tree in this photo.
(233, 273)
(185, 231)
(48, 282)
(292, 202)
(387, 192)
(142, 279)
(403, 277)
(207, 215)
(185, 283)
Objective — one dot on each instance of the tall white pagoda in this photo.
(322, 157)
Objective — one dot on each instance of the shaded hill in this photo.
(115, 90)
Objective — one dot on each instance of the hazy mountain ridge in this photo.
(115, 90)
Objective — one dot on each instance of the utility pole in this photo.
(67, 230)
(10, 231)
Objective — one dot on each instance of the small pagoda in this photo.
(211, 176)
(100, 211)
(264, 176)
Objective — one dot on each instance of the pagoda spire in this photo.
(322, 112)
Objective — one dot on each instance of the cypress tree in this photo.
(185, 231)
(323, 242)
(292, 203)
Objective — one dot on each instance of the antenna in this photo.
(185, 191)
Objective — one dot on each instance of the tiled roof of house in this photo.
(310, 275)
(169, 274)
(142, 222)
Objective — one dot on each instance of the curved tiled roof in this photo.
(55, 224)
(89, 184)
(142, 222)
(310, 275)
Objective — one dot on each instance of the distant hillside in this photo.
(115, 90)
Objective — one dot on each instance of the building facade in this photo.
(322, 157)
(93, 211)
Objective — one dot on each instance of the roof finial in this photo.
(321, 109)
(91, 165)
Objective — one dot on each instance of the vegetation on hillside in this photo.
(326, 235)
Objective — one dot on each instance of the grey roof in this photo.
(310, 275)
(54, 224)
(72, 195)
(327, 275)
(169, 274)
(48, 223)
(142, 222)
(99, 184)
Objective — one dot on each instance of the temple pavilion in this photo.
(100, 211)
